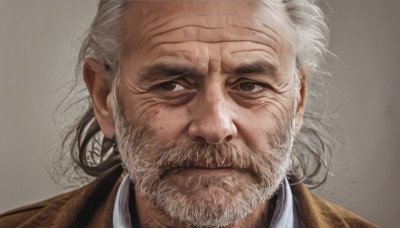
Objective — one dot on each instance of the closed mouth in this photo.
(202, 168)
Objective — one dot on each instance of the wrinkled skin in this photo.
(210, 72)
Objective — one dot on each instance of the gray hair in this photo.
(314, 146)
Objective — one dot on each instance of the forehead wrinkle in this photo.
(207, 36)
(188, 19)
(160, 21)
(209, 42)
(270, 46)
(252, 28)
(261, 38)
(255, 25)
(267, 49)
(204, 21)
(258, 28)
(274, 36)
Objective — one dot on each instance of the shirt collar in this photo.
(285, 214)
(121, 215)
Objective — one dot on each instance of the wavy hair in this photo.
(91, 153)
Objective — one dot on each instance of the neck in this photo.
(151, 216)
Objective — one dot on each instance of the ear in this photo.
(99, 88)
(301, 105)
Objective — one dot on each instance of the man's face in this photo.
(206, 104)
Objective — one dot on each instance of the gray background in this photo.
(38, 48)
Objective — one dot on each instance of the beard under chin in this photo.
(209, 206)
(203, 200)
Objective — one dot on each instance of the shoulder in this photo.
(71, 209)
(317, 212)
(74, 209)
(35, 212)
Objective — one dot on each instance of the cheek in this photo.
(140, 110)
(259, 126)
(165, 123)
(170, 124)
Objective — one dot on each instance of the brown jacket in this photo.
(92, 206)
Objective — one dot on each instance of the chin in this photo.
(209, 200)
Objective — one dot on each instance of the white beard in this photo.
(203, 200)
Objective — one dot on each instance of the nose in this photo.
(212, 121)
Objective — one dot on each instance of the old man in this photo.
(198, 107)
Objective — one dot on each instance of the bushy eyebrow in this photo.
(162, 70)
(258, 67)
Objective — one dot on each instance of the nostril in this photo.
(228, 138)
(199, 139)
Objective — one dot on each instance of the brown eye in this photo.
(171, 86)
(250, 87)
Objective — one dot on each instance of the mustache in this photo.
(216, 156)
(202, 155)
